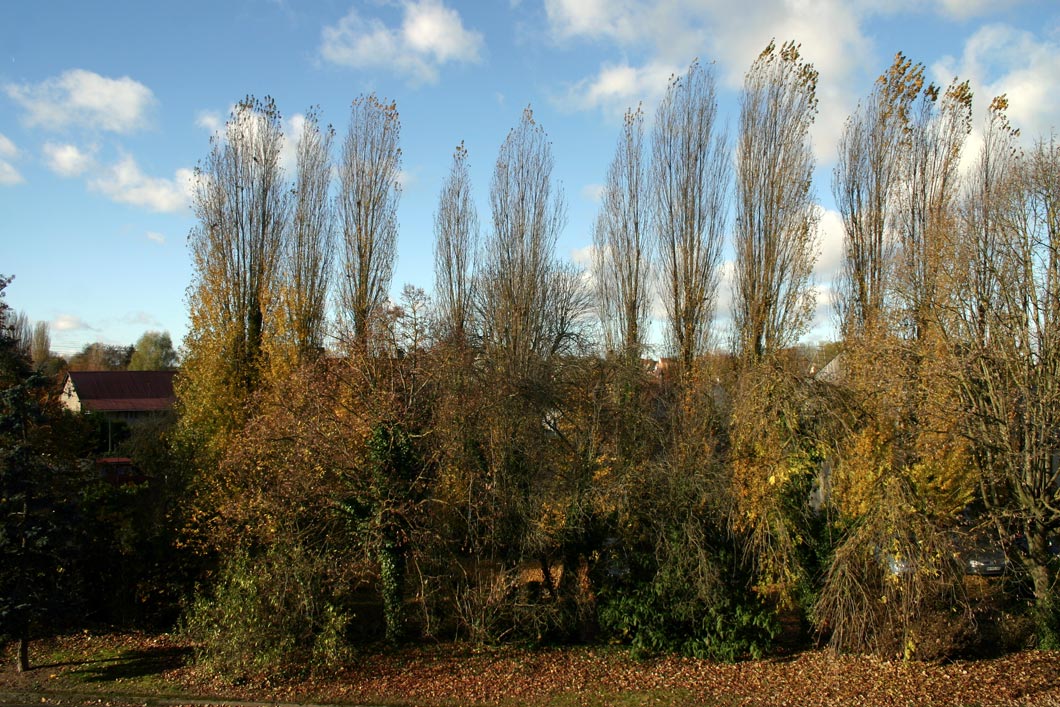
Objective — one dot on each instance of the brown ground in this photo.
(127, 669)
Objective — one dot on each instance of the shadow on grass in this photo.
(133, 664)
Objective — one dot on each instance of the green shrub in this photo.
(1046, 616)
(268, 616)
(653, 622)
(692, 601)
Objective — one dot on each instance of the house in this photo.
(121, 397)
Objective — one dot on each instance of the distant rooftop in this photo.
(119, 391)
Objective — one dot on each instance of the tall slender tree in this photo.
(622, 247)
(369, 188)
(865, 184)
(41, 346)
(308, 261)
(776, 219)
(940, 120)
(456, 231)
(529, 300)
(691, 177)
(40, 488)
(530, 309)
(241, 203)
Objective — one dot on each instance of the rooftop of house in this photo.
(119, 391)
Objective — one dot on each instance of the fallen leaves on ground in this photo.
(460, 674)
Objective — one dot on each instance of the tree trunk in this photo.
(1045, 607)
(23, 649)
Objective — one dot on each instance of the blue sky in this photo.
(105, 108)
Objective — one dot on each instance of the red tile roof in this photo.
(124, 391)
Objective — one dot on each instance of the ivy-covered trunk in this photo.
(393, 472)
(391, 558)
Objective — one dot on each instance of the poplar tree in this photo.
(242, 205)
(691, 178)
(776, 219)
(456, 231)
(369, 187)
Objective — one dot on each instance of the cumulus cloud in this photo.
(9, 176)
(210, 120)
(430, 36)
(613, 19)
(967, 9)
(830, 243)
(70, 322)
(7, 148)
(408, 178)
(84, 99)
(593, 192)
(156, 237)
(583, 257)
(673, 32)
(292, 134)
(125, 183)
(617, 87)
(830, 236)
(1000, 59)
(253, 121)
(68, 160)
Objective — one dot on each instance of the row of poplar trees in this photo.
(498, 462)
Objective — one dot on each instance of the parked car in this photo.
(985, 560)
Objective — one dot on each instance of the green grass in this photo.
(106, 668)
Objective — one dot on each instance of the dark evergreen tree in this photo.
(37, 500)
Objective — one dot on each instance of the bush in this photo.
(653, 622)
(1047, 624)
(693, 601)
(268, 616)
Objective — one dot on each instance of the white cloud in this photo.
(593, 192)
(70, 322)
(618, 87)
(583, 257)
(967, 9)
(125, 183)
(1000, 59)
(673, 32)
(84, 99)
(156, 237)
(253, 122)
(830, 242)
(430, 36)
(432, 29)
(831, 237)
(613, 19)
(951, 9)
(211, 121)
(292, 134)
(68, 160)
(7, 148)
(9, 176)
